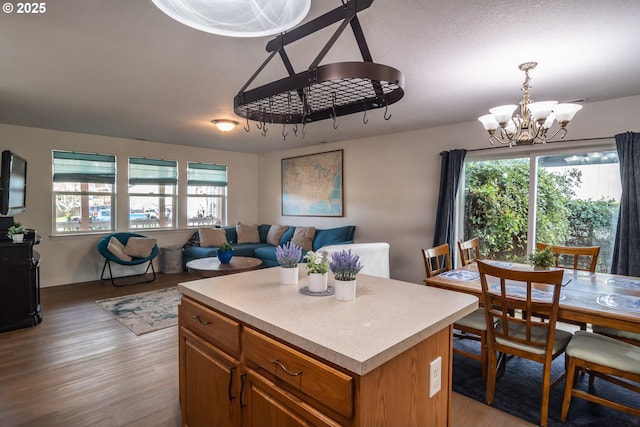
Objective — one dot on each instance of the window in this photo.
(152, 193)
(83, 192)
(573, 200)
(206, 194)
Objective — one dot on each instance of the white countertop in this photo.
(386, 318)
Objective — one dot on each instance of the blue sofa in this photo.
(263, 250)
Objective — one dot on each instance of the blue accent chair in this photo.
(123, 237)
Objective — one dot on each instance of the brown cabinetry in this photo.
(19, 286)
(232, 374)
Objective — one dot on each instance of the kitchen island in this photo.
(257, 353)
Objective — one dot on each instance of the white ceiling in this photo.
(122, 68)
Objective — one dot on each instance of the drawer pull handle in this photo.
(278, 363)
(202, 322)
(242, 377)
(231, 369)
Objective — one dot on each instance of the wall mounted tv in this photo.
(13, 184)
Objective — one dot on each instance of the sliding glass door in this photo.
(558, 197)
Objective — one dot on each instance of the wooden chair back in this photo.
(469, 251)
(437, 259)
(574, 257)
(510, 292)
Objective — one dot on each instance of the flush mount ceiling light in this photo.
(237, 18)
(321, 91)
(528, 122)
(225, 125)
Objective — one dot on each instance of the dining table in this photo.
(596, 298)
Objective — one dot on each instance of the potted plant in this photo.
(317, 270)
(345, 267)
(225, 253)
(16, 232)
(543, 258)
(288, 256)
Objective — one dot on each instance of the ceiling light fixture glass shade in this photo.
(225, 125)
(237, 18)
(528, 122)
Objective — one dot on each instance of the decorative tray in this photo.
(623, 283)
(462, 275)
(330, 291)
(500, 264)
(520, 291)
(620, 301)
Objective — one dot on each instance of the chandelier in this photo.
(528, 122)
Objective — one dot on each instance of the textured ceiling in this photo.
(123, 68)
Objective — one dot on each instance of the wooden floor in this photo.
(80, 367)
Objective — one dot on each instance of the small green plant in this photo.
(543, 258)
(16, 228)
(317, 262)
(226, 246)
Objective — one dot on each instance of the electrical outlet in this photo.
(435, 376)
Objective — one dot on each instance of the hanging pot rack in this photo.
(322, 91)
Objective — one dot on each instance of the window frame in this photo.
(166, 174)
(207, 179)
(531, 152)
(83, 177)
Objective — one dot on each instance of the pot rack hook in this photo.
(364, 118)
(386, 107)
(333, 110)
(284, 135)
(264, 122)
(247, 128)
(295, 128)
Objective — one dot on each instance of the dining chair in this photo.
(507, 292)
(583, 258)
(607, 358)
(469, 251)
(471, 327)
(437, 259)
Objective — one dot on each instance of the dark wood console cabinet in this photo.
(19, 286)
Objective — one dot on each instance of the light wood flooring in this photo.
(80, 367)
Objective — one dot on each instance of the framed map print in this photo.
(312, 185)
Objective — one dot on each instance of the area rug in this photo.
(145, 312)
(519, 392)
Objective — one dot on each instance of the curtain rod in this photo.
(550, 142)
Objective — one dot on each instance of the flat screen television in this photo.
(13, 184)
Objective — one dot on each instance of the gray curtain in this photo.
(450, 170)
(626, 250)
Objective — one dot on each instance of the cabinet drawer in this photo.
(312, 377)
(214, 327)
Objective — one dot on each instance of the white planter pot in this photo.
(345, 290)
(317, 282)
(17, 238)
(289, 276)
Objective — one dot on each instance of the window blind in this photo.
(206, 174)
(84, 167)
(152, 172)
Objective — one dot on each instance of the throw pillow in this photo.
(211, 237)
(116, 247)
(303, 237)
(139, 247)
(247, 233)
(275, 233)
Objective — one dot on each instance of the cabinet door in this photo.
(211, 384)
(270, 406)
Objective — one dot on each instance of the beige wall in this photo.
(391, 181)
(390, 185)
(72, 259)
